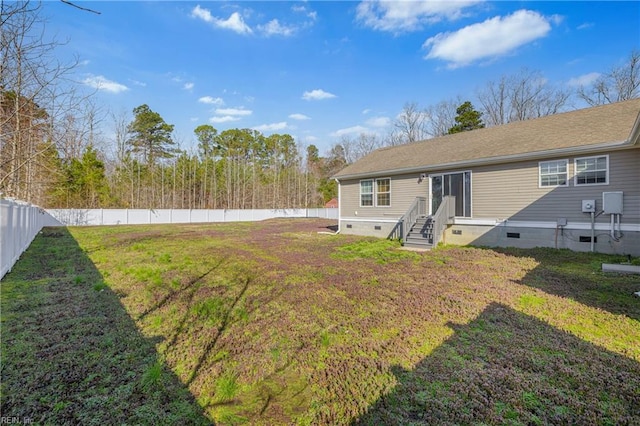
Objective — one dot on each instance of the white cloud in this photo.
(299, 117)
(271, 127)
(233, 23)
(584, 80)
(188, 86)
(138, 83)
(586, 26)
(354, 130)
(556, 19)
(101, 83)
(379, 121)
(489, 39)
(234, 111)
(274, 27)
(224, 119)
(366, 111)
(399, 16)
(211, 100)
(203, 14)
(311, 14)
(316, 95)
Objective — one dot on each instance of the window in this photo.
(553, 173)
(366, 193)
(381, 190)
(592, 170)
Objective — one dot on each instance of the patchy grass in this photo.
(382, 251)
(272, 323)
(70, 352)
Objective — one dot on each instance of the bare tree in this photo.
(520, 97)
(620, 84)
(35, 99)
(120, 122)
(357, 147)
(410, 125)
(78, 128)
(442, 116)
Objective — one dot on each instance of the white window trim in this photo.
(374, 194)
(575, 171)
(566, 183)
(375, 190)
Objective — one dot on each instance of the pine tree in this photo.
(467, 119)
(150, 135)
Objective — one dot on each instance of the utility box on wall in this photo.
(588, 206)
(612, 202)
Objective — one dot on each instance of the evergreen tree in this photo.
(467, 118)
(150, 135)
(84, 184)
(206, 135)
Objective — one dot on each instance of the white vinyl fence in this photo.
(19, 224)
(75, 217)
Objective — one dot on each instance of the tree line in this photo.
(52, 153)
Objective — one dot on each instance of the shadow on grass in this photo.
(70, 352)
(506, 367)
(333, 228)
(579, 276)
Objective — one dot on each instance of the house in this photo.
(569, 180)
(331, 204)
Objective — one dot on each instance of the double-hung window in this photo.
(383, 192)
(592, 170)
(553, 173)
(375, 192)
(366, 193)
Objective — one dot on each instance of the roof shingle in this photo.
(590, 126)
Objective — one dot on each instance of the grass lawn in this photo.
(275, 323)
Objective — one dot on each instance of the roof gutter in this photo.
(609, 146)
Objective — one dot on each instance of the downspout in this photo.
(593, 231)
(339, 205)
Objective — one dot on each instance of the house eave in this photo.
(538, 155)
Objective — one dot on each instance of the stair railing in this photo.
(418, 208)
(443, 217)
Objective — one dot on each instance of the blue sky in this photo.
(323, 70)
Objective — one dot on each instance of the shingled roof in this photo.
(581, 129)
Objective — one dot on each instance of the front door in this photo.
(456, 184)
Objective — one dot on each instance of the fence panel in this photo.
(19, 224)
(79, 217)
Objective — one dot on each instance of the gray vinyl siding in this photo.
(511, 191)
(404, 189)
